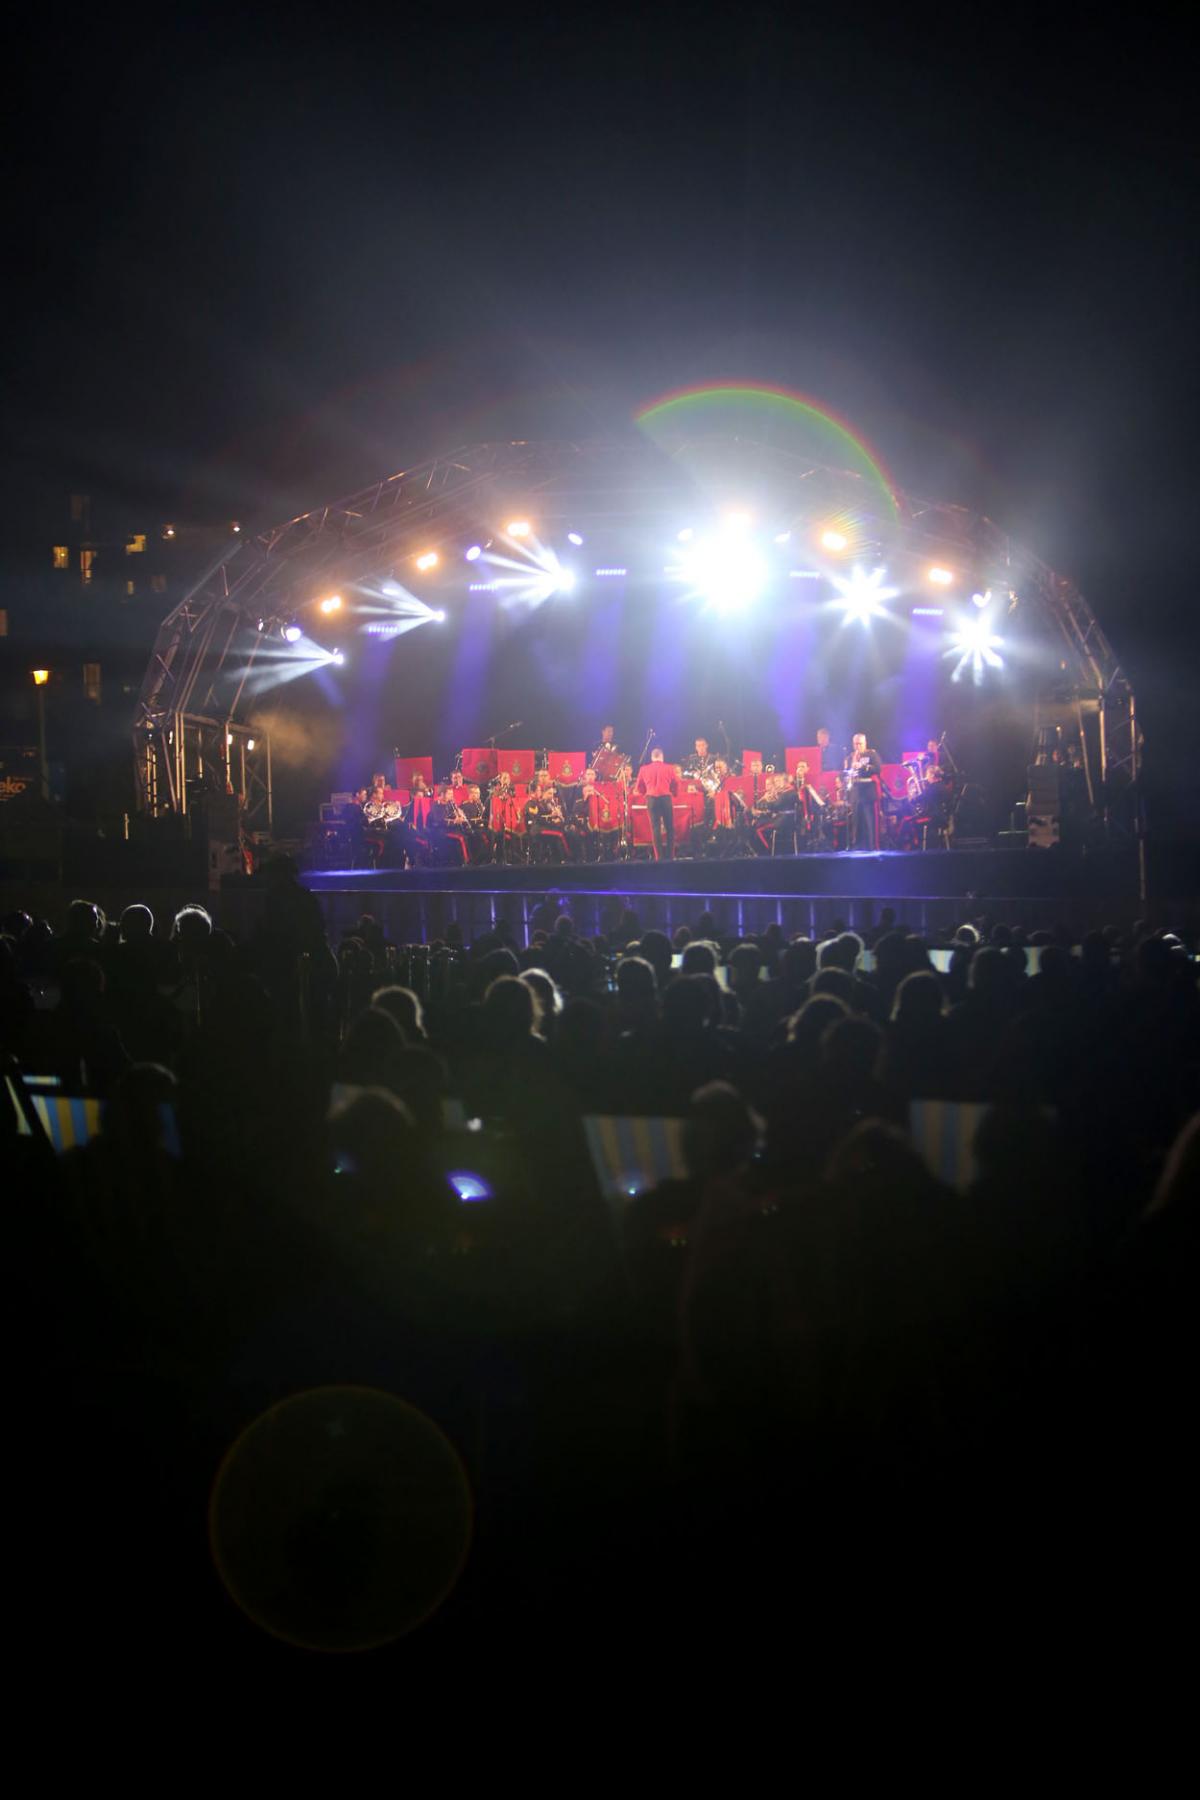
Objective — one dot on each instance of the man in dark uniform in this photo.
(866, 769)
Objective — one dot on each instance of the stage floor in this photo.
(929, 890)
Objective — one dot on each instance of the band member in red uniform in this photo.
(864, 773)
(606, 758)
(504, 816)
(658, 784)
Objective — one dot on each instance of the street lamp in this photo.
(40, 678)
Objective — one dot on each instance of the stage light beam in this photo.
(518, 528)
(292, 634)
(332, 603)
(860, 596)
(939, 576)
(429, 559)
(834, 540)
(976, 646)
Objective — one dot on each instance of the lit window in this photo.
(136, 544)
(86, 559)
(3, 622)
(91, 681)
(168, 531)
(159, 583)
(62, 556)
(130, 586)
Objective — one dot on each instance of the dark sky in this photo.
(260, 260)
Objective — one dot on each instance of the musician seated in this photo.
(730, 812)
(811, 809)
(446, 828)
(479, 843)
(545, 822)
(774, 816)
(597, 821)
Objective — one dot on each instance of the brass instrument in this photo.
(382, 812)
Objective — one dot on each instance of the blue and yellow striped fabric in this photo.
(944, 1133)
(68, 1120)
(630, 1155)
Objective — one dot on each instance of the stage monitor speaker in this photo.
(1043, 807)
(216, 823)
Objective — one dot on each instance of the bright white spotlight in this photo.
(983, 599)
(685, 536)
(976, 647)
(439, 618)
(474, 553)
(861, 596)
(337, 657)
(573, 537)
(518, 528)
(332, 603)
(728, 571)
(939, 577)
(249, 743)
(292, 634)
(832, 539)
(428, 560)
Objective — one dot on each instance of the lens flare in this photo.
(860, 596)
(975, 646)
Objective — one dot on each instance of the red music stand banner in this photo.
(408, 766)
(567, 766)
(895, 780)
(479, 765)
(826, 784)
(805, 753)
(517, 763)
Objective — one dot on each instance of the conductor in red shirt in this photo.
(659, 785)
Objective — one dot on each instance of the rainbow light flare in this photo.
(783, 402)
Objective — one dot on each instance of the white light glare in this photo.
(728, 571)
(474, 553)
(332, 603)
(573, 537)
(940, 577)
(518, 528)
(429, 560)
(861, 596)
(976, 646)
(292, 634)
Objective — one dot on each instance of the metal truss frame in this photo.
(212, 637)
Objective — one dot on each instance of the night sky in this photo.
(261, 261)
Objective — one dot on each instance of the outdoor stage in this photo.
(931, 891)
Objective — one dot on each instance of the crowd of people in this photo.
(792, 1371)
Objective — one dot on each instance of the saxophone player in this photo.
(863, 776)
